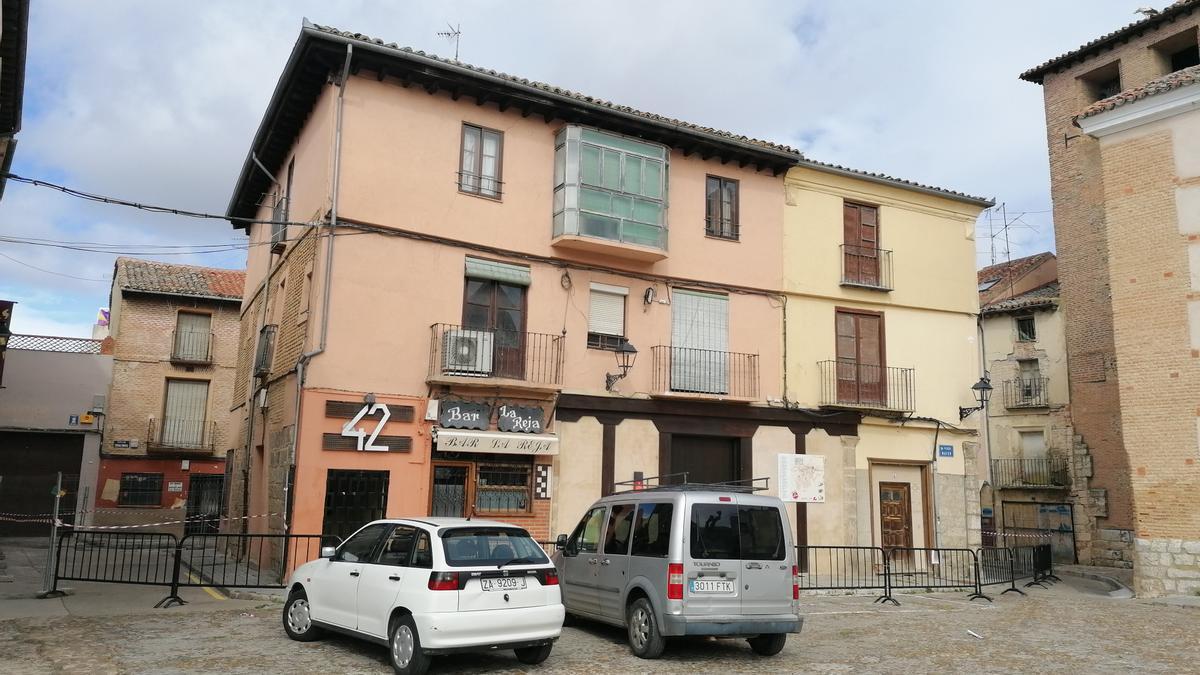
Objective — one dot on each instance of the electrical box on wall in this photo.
(431, 410)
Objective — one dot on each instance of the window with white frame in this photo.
(610, 187)
(606, 316)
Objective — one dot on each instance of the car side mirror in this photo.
(328, 551)
(561, 542)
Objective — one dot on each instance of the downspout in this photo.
(327, 283)
(937, 428)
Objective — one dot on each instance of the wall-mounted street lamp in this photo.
(626, 355)
(982, 391)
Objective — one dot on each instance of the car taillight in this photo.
(443, 581)
(550, 578)
(795, 582)
(675, 581)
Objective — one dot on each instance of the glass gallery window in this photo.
(610, 187)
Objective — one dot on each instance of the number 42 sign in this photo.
(365, 441)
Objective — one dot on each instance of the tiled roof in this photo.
(560, 91)
(900, 182)
(1012, 270)
(148, 276)
(1042, 296)
(577, 96)
(1175, 80)
(1168, 14)
(51, 343)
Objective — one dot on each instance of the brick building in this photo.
(1123, 136)
(175, 338)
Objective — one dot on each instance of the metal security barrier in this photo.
(198, 560)
(845, 568)
(935, 568)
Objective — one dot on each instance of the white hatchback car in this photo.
(430, 586)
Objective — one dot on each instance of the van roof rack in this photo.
(678, 482)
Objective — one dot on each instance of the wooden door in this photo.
(499, 308)
(860, 369)
(860, 232)
(895, 515)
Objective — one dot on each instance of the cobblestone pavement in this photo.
(1069, 627)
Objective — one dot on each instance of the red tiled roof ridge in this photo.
(1000, 269)
(152, 276)
(1169, 82)
(1168, 13)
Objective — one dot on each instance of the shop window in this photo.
(503, 488)
(140, 489)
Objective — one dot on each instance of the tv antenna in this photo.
(454, 33)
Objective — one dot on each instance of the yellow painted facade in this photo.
(929, 314)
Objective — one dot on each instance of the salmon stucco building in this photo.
(474, 294)
(1123, 131)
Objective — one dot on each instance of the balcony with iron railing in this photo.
(862, 386)
(174, 433)
(1045, 472)
(704, 373)
(466, 356)
(866, 267)
(1026, 392)
(191, 346)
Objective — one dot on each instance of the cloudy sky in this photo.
(156, 102)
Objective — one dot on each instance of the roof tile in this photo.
(1175, 80)
(149, 276)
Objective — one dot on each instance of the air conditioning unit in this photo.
(467, 352)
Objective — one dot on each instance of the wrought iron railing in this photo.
(1027, 392)
(455, 351)
(867, 267)
(704, 371)
(173, 433)
(191, 346)
(1043, 472)
(850, 384)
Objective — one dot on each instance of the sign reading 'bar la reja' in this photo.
(449, 440)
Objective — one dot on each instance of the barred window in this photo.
(140, 489)
(502, 487)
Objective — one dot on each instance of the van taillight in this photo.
(795, 582)
(675, 581)
(443, 581)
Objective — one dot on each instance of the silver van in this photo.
(689, 559)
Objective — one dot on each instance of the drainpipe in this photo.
(327, 283)
(937, 428)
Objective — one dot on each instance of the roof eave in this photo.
(175, 294)
(881, 180)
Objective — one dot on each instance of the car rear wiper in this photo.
(526, 561)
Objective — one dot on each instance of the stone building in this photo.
(1038, 476)
(175, 339)
(1124, 141)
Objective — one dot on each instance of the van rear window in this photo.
(732, 532)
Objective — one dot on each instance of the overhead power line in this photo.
(42, 269)
(93, 197)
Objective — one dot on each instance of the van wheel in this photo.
(297, 618)
(533, 655)
(404, 648)
(645, 640)
(768, 645)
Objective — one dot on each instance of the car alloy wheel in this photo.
(640, 628)
(402, 646)
(299, 617)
